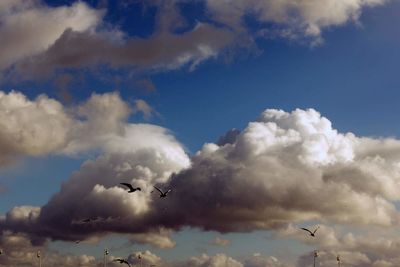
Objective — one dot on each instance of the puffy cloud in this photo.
(160, 239)
(218, 260)
(218, 241)
(283, 167)
(44, 126)
(19, 251)
(258, 260)
(366, 248)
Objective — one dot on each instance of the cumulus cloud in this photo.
(19, 251)
(43, 126)
(218, 260)
(366, 248)
(159, 239)
(218, 241)
(258, 260)
(282, 168)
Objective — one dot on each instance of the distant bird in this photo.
(131, 189)
(123, 261)
(88, 220)
(162, 194)
(311, 233)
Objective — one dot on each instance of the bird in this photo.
(311, 233)
(88, 220)
(123, 261)
(130, 187)
(163, 194)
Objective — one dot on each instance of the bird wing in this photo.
(125, 261)
(316, 230)
(127, 185)
(158, 189)
(305, 229)
(169, 190)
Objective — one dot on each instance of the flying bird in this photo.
(123, 261)
(162, 194)
(88, 220)
(130, 187)
(311, 233)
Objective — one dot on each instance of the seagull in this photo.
(131, 189)
(88, 220)
(123, 261)
(311, 233)
(162, 194)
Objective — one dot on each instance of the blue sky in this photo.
(198, 87)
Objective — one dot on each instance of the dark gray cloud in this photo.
(37, 39)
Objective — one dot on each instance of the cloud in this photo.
(218, 241)
(218, 260)
(44, 126)
(160, 239)
(141, 106)
(282, 168)
(19, 251)
(28, 28)
(369, 247)
(39, 39)
(293, 18)
(258, 260)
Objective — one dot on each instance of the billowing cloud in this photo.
(282, 168)
(44, 126)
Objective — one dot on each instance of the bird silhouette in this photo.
(130, 187)
(123, 261)
(91, 219)
(311, 233)
(162, 194)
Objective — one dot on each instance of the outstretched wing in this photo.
(305, 229)
(126, 262)
(127, 185)
(158, 189)
(316, 230)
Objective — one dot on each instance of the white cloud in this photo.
(218, 241)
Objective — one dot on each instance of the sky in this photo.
(261, 116)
